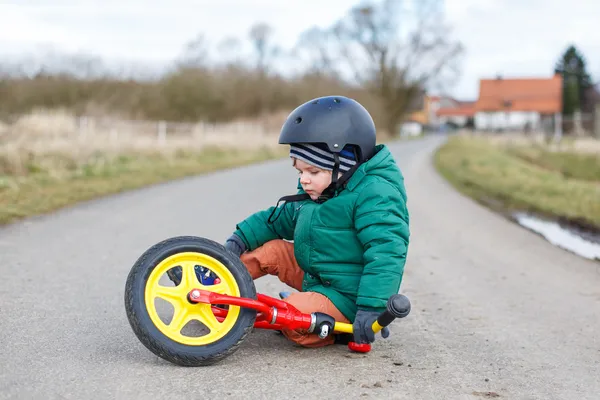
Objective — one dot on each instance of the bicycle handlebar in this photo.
(398, 306)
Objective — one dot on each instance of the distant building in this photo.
(442, 110)
(455, 112)
(519, 104)
(421, 113)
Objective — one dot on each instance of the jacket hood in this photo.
(383, 165)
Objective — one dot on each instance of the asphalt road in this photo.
(497, 311)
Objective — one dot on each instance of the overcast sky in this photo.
(510, 37)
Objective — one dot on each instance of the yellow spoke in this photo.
(180, 318)
(172, 294)
(207, 317)
(220, 288)
(188, 273)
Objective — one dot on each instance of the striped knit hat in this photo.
(320, 156)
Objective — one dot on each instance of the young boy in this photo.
(349, 222)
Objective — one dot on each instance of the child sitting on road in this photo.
(349, 222)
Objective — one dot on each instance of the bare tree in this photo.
(229, 51)
(49, 61)
(314, 50)
(260, 34)
(395, 52)
(195, 53)
(10, 69)
(79, 65)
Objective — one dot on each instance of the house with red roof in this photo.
(440, 110)
(456, 112)
(519, 104)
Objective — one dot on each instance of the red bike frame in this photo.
(271, 313)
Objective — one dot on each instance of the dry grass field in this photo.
(50, 159)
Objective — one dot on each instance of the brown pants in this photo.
(277, 258)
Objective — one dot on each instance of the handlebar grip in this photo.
(398, 306)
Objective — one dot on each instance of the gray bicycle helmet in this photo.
(336, 121)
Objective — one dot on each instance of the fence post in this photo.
(114, 135)
(578, 123)
(82, 127)
(162, 132)
(557, 127)
(597, 121)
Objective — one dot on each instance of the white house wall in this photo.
(506, 120)
(411, 129)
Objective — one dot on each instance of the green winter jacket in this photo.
(352, 247)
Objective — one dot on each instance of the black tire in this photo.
(156, 341)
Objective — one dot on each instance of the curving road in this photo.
(497, 311)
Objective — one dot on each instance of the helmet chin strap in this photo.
(329, 192)
(336, 183)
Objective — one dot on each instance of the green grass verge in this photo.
(559, 186)
(569, 164)
(44, 191)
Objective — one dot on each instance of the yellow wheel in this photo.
(163, 318)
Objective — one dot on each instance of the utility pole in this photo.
(597, 121)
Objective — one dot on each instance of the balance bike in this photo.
(214, 305)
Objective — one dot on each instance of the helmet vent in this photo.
(316, 101)
(298, 120)
(336, 100)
